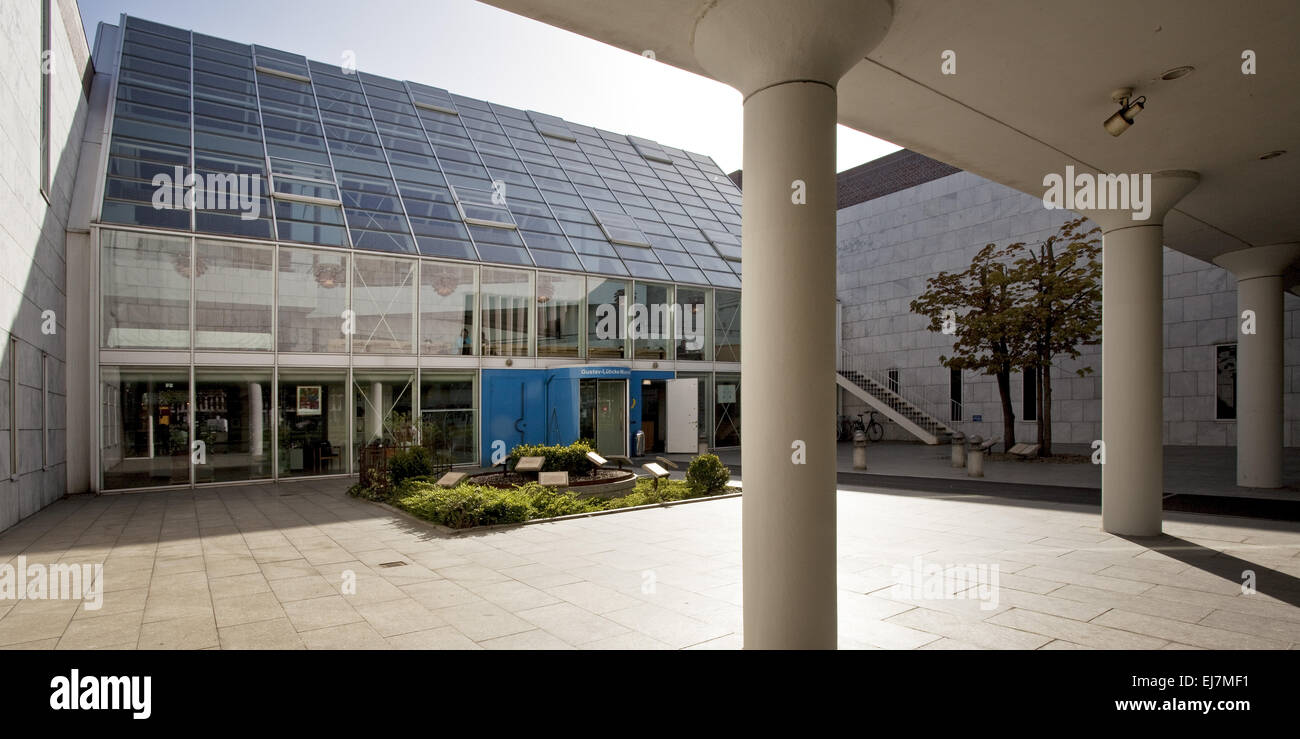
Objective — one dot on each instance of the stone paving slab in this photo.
(301, 565)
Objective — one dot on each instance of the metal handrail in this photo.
(940, 411)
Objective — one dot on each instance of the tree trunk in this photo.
(1046, 389)
(1038, 407)
(1008, 413)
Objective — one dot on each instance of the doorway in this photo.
(602, 414)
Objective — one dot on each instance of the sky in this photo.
(486, 53)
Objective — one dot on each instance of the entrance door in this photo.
(683, 417)
(603, 414)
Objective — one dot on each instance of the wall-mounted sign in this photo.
(977, 418)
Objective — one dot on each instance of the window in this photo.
(483, 206)
(234, 286)
(650, 321)
(145, 291)
(559, 314)
(45, 411)
(954, 394)
(1029, 401)
(313, 426)
(504, 303)
(726, 414)
(447, 415)
(726, 318)
(13, 407)
(47, 74)
(691, 330)
(313, 295)
(1225, 382)
(383, 402)
(447, 296)
(620, 228)
(891, 377)
(606, 311)
(383, 300)
(146, 422)
(232, 417)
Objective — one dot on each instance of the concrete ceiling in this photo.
(1033, 87)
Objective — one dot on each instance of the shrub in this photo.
(559, 458)
(414, 462)
(707, 475)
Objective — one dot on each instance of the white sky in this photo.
(482, 52)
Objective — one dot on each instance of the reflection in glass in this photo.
(313, 293)
(692, 330)
(382, 409)
(313, 423)
(234, 286)
(606, 309)
(505, 296)
(447, 294)
(726, 308)
(232, 417)
(145, 284)
(650, 320)
(145, 427)
(383, 298)
(726, 414)
(447, 415)
(559, 314)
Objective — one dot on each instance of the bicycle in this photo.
(873, 429)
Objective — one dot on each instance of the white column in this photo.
(375, 413)
(1132, 360)
(1259, 323)
(786, 58)
(255, 418)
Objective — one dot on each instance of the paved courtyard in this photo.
(270, 567)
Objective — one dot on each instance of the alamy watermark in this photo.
(22, 581)
(655, 321)
(241, 192)
(1086, 191)
(933, 581)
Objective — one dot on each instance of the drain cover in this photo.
(392, 564)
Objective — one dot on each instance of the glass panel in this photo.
(606, 308)
(145, 283)
(382, 403)
(313, 433)
(232, 417)
(650, 320)
(693, 324)
(313, 293)
(726, 325)
(559, 314)
(383, 298)
(506, 295)
(447, 294)
(447, 415)
(726, 429)
(234, 286)
(146, 436)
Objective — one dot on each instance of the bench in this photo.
(553, 479)
(451, 479)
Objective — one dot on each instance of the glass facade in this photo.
(357, 249)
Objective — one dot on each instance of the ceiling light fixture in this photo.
(1177, 72)
(1128, 110)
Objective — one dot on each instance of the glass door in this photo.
(602, 409)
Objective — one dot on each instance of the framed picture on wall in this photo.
(309, 400)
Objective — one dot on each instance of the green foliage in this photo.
(413, 462)
(571, 458)
(707, 475)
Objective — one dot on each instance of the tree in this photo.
(1060, 309)
(979, 307)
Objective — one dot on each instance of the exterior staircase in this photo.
(873, 387)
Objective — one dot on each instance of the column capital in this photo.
(1166, 189)
(753, 44)
(1260, 261)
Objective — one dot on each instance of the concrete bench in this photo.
(530, 464)
(451, 479)
(553, 479)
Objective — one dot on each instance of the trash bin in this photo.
(859, 450)
(640, 443)
(958, 450)
(975, 457)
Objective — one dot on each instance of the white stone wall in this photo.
(33, 269)
(889, 246)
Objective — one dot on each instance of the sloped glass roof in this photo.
(349, 159)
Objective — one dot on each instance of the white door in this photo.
(683, 417)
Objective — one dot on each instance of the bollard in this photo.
(958, 450)
(975, 457)
(859, 450)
